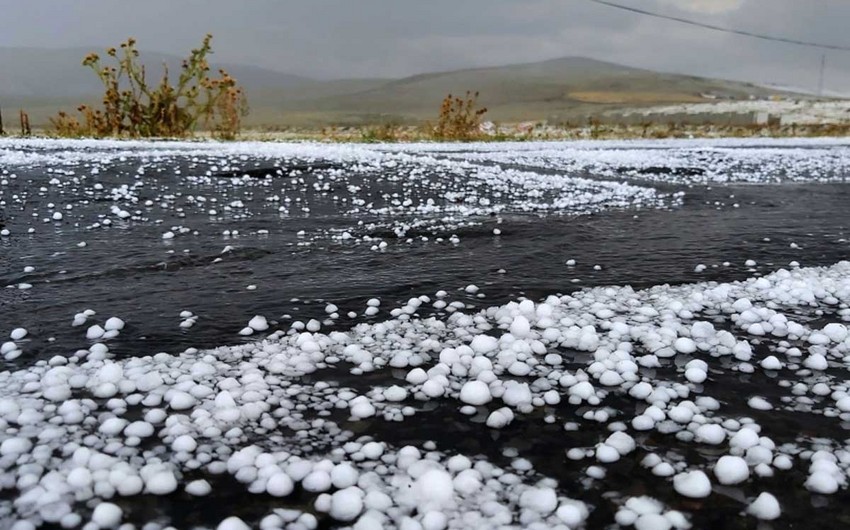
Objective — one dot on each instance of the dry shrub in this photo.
(132, 107)
(460, 118)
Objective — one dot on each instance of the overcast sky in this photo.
(386, 38)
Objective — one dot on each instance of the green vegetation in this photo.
(132, 107)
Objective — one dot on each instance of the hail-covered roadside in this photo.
(688, 388)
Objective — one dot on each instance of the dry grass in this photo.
(635, 98)
(133, 107)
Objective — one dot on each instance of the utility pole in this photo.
(820, 79)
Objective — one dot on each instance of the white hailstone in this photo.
(112, 426)
(346, 504)
(395, 393)
(520, 327)
(572, 513)
(622, 442)
(500, 418)
(161, 482)
(652, 521)
(731, 470)
(184, 444)
(168, 235)
(57, 216)
(258, 323)
(434, 490)
(246, 331)
(475, 393)
(696, 375)
(279, 485)
(107, 515)
(139, 429)
(771, 363)
(607, 454)
(114, 323)
(816, 361)
(541, 500)
(692, 484)
(15, 446)
(95, 332)
(317, 481)
(232, 523)
(744, 439)
(199, 488)
(372, 450)
(484, 344)
(18, 334)
(181, 401)
(835, 332)
(759, 403)
(361, 407)
(843, 404)
(344, 475)
(711, 433)
(765, 507)
(822, 482)
(685, 345)
(79, 477)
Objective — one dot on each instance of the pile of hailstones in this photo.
(231, 410)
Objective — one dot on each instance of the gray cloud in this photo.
(364, 38)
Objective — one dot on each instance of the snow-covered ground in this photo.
(648, 373)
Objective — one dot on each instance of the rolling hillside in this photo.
(44, 81)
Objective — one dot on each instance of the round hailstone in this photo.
(114, 323)
(198, 488)
(520, 327)
(434, 490)
(279, 485)
(540, 500)
(317, 481)
(232, 523)
(835, 332)
(607, 454)
(161, 483)
(258, 323)
(692, 484)
(395, 393)
(107, 515)
(18, 334)
(346, 504)
(771, 363)
(95, 332)
(685, 345)
(731, 470)
(711, 433)
(184, 444)
(653, 521)
(765, 507)
(344, 475)
(821, 482)
(475, 393)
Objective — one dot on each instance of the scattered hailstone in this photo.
(692, 484)
(765, 507)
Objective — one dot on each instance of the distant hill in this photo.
(43, 81)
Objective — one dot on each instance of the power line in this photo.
(721, 28)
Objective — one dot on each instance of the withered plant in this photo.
(133, 107)
(460, 118)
